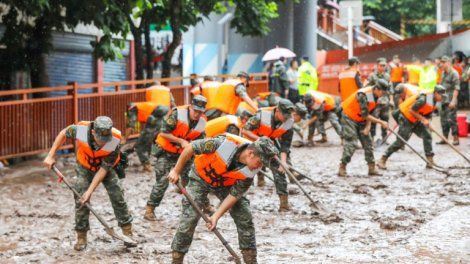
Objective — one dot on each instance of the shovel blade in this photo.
(129, 242)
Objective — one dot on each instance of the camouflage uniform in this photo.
(199, 189)
(383, 108)
(111, 182)
(352, 133)
(450, 80)
(284, 146)
(322, 117)
(240, 91)
(406, 128)
(144, 143)
(166, 161)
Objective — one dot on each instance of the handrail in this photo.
(385, 31)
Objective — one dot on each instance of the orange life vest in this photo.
(226, 99)
(413, 76)
(86, 156)
(158, 94)
(182, 130)
(219, 125)
(264, 95)
(266, 125)
(213, 167)
(410, 90)
(347, 83)
(396, 72)
(439, 75)
(144, 109)
(208, 89)
(352, 108)
(426, 109)
(323, 98)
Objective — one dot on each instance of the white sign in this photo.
(356, 6)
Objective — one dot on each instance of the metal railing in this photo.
(29, 125)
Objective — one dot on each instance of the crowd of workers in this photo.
(224, 138)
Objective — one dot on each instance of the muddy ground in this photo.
(408, 215)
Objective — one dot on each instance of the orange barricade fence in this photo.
(29, 125)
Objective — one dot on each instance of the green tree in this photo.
(389, 13)
(29, 25)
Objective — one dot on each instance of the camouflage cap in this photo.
(273, 99)
(266, 149)
(382, 61)
(382, 84)
(243, 74)
(308, 98)
(445, 59)
(399, 88)
(300, 109)
(286, 107)
(199, 103)
(440, 89)
(103, 126)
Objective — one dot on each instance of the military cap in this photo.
(273, 99)
(353, 60)
(103, 126)
(445, 59)
(399, 88)
(308, 98)
(382, 84)
(199, 103)
(301, 109)
(439, 89)
(382, 61)
(243, 74)
(286, 107)
(266, 149)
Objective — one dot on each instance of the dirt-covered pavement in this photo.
(409, 215)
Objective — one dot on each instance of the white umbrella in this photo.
(276, 53)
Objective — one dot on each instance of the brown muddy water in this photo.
(408, 215)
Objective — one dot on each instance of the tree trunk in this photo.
(139, 56)
(177, 35)
(148, 51)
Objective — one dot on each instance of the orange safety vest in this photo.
(426, 109)
(413, 76)
(158, 94)
(264, 95)
(323, 98)
(352, 108)
(396, 72)
(226, 100)
(410, 90)
(86, 156)
(208, 89)
(182, 130)
(347, 83)
(144, 110)
(213, 167)
(220, 125)
(439, 75)
(266, 125)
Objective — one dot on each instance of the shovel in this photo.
(109, 230)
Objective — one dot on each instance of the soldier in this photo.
(225, 166)
(397, 71)
(184, 124)
(414, 116)
(299, 115)
(97, 151)
(267, 99)
(402, 91)
(383, 108)
(152, 126)
(275, 123)
(280, 83)
(229, 95)
(322, 107)
(350, 79)
(450, 80)
(355, 117)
